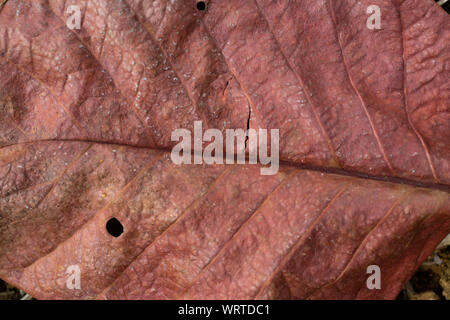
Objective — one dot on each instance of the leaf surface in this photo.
(86, 118)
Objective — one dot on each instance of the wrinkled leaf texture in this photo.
(85, 123)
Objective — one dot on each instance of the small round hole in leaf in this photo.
(201, 5)
(114, 227)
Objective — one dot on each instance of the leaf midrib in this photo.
(283, 162)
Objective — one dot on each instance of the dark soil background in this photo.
(8, 292)
(432, 280)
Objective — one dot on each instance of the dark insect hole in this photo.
(201, 5)
(114, 227)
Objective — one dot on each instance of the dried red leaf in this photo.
(85, 123)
